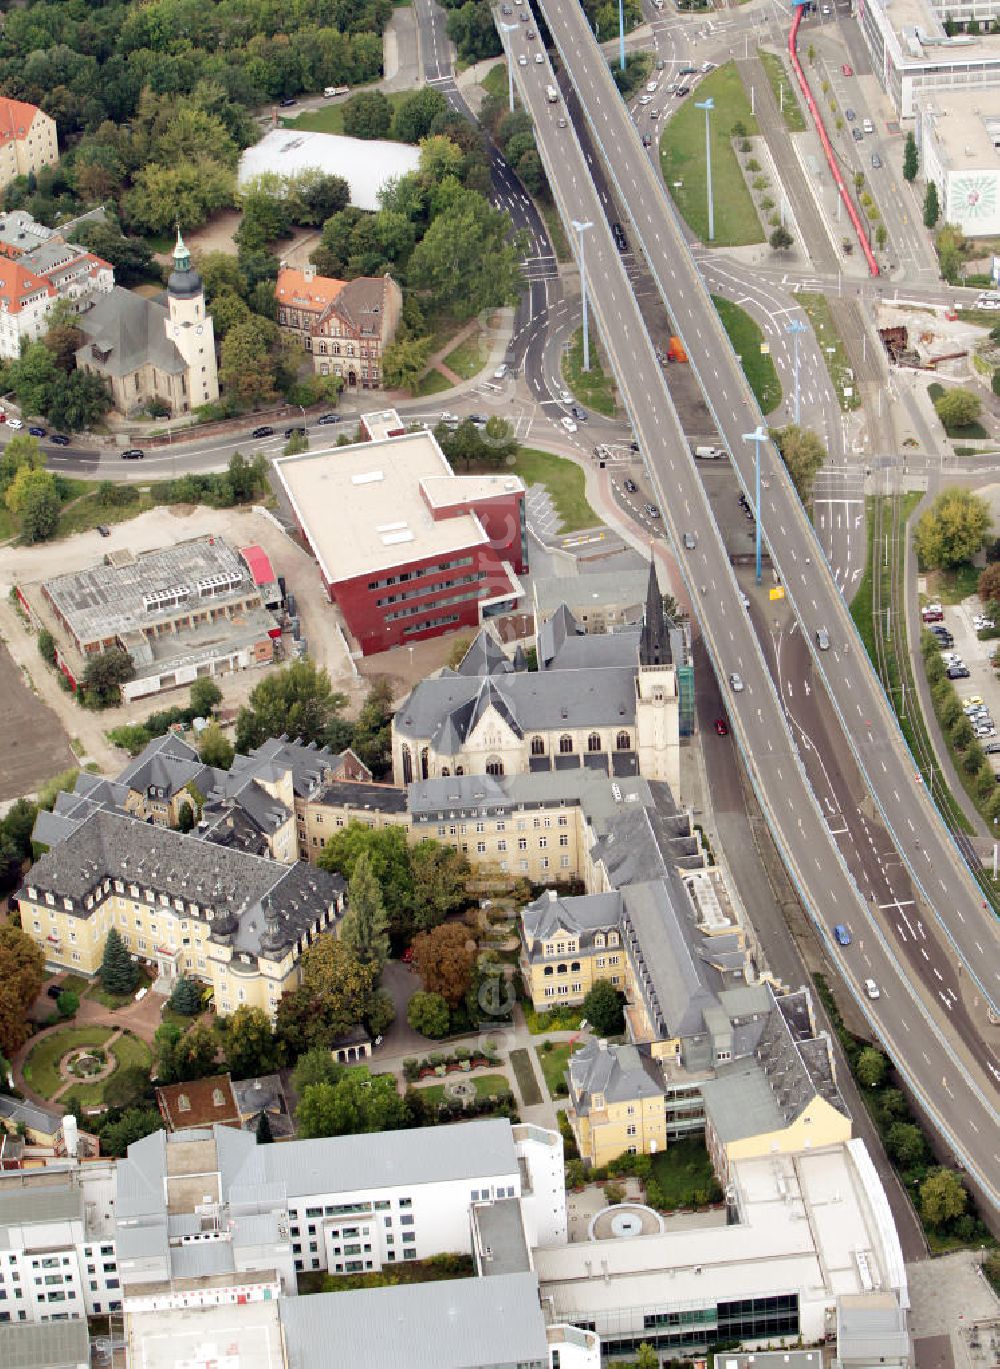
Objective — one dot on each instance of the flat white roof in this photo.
(807, 1225)
(362, 508)
(366, 164)
(965, 123)
(917, 28)
(442, 492)
(245, 1335)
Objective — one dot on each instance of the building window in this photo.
(565, 744)
(593, 742)
(538, 746)
(623, 741)
(494, 765)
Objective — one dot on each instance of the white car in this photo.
(736, 683)
(14, 423)
(651, 88)
(565, 397)
(539, 58)
(645, 99)
(871, 988)
(983, 624)
(568, 424)
(522, 61)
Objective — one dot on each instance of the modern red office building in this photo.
(408, 549)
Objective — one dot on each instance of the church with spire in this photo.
(154, 352)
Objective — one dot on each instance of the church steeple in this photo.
(654, 646)
(184, 282)
(182, 257)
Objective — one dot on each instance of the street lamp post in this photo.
(580, 229)
(510, 28)
(708, 105)
(796, 328)
(757, 437)
(621, 34)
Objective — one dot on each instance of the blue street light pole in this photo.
(708, 105)
(621, 33)
(510, 28)
(580, 229)
(796, 328)
(758, 436)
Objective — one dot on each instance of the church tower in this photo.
(657, 699)
(190, 329)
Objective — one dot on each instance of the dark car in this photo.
(651, 511)
(857, 135)
(133, 454)
(722, 727)
(54, 990)
(647, 140)
(579, 414)
(330, 418)
(633, 446)
(958, 672)
(680, 92)
(288, 101)
(842, 934)
(618, 233)
(263, 432)
(59, 439)
(630, 486)
(478, 419)
(36, 431)
(104, 530)
(297, 431)
(688, 71)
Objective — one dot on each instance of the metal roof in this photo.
(45, 1345)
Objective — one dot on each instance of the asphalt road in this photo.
(928, 1052)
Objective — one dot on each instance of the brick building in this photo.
(345, 325)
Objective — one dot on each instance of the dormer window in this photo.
(599, 939)
(218, 1101)
(612, 938)
(184, 1103)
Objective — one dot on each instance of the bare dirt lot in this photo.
(35, 744)
(158, 528)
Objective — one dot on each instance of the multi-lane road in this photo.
(949, 1076)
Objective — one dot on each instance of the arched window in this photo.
(538, 746)
(575, 967)
(594, 742)
(459, 769)
(623, 741)
(445, 772)
(562, 969)
(548, 969)
(407, 766)
(565, 744)
(494, 765)
(423, 763)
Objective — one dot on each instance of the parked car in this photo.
(104, 530)
(842, 934)
(264, 431)
(37, 431)
(850, 115)
(651, 511)
(330, 418)
(133, 454)
(287, 102)
(857, 135)
(845, 70)
(14, 423)
(876, 161)
(957, 672)
(54, 990)
(60, 439)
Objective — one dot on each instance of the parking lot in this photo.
(982, 683)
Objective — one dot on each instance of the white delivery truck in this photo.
(551, 94)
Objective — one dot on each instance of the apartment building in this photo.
(28, 140)
(344, 325)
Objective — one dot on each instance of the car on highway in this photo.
(706, 67)
(37, 431)
(845, 70)
(530, 35)
(645, 99)
(629, 485)
(647, 140)
(842, 935)
(579, 414)
(14, 423)
(850, 115)
(680, 92)
(263, 431)
(651, 87)
(871, 988)
(539, 58)
(823, 639)
(296, 430)
(651, 511)
(721, 727)
(522, 61)
(736, 683)
(618, 233)
(660, 64)
(565, 397)
(59, 439)
(568, 423)
(133, 454)
(876, 161)
(690, 541)
(330, 418)
(857, 135)
(478, 419)
(562, 123)
(688, 71)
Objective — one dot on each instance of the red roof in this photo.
(259, 565)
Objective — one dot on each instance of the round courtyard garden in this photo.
(77, 1062)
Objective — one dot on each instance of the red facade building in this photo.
(408, 549)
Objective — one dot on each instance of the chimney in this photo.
(602, 1045)
(309, 272)
(553, 895)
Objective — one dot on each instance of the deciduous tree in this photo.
(368, 114)
(357, 1102)
(952, 530)
(248, 1042)
(943, 1197)
(364, 928)
(958, 407)
(103, 677)
(602, 1008)
(298, 700)
(870, 1068)
(445, 959)
(34, 498)
(22, 974)
(334, 996)
(803, 454)
(427, 1013)
(404, 362)
(214, 748)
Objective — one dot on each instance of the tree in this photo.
(942, 1197)
(119, 973)
(906, 1144)
(205, 696)
(33, 377)
(79, 401)
(103, 677)
(373, 730)
(391, 863)
(989, 582)
(132, 1126)
(186, 997)
(185, 817)
(247, 367)
(881, 235)
(911, 159)
(602, 1008)
(466, 261)
(214, 748)
(334, 996)
(248, 1042)
(427, 1013)
(191, 1055)
(22, 974)
(416, 114)
(870, 1068)
(932, 208)
(781, 239)
(22, 450)
(186, 192)
(357, 1102)
(646, 1357)
(128, 1088)
(404, 362)
(958, 407)
(68, 1003)
(364, 926)
(62, 340)
(367, 115)
(440, 876)
(952, 530)
(34, 499)
(47, 646)
(298, 700)
(445, 959)
(316, 1066)
(131, 257)
(264, 1135)
(803, 454)
(961, 732)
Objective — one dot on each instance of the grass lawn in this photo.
(433, 383)
(819, 314)
(974, 429)
(469, 357)
(778, 77)
(525, 1075)
(554, 1063)
(682, 158)
(84, 512)
(118, 1000)
(758, 366)
(554, 224)
(40, 1068)
(952, 586)
(592, 388)
(413, 1271)
(495, 80)
(76, 983)
(487, 1086)
(330, 119)
(565, 1019)
(565, 483)
(682, 1171)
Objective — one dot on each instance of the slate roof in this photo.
(679, 990)
(311, 765)
(132, 331)
(582, 915)
(168, 763)
(485, 656)
(620, 1073)
(44, 1345)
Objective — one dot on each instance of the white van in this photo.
(710, 453)
(500, 371)
(868, 126)
(551, 94)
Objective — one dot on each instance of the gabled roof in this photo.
(18, 285)
(485, 655)
(16, 118)
(550, 914)
(127, 331)
(314, 293)
(619, 1073)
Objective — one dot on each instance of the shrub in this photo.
(614, 1193)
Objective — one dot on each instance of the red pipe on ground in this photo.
(807, 95)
